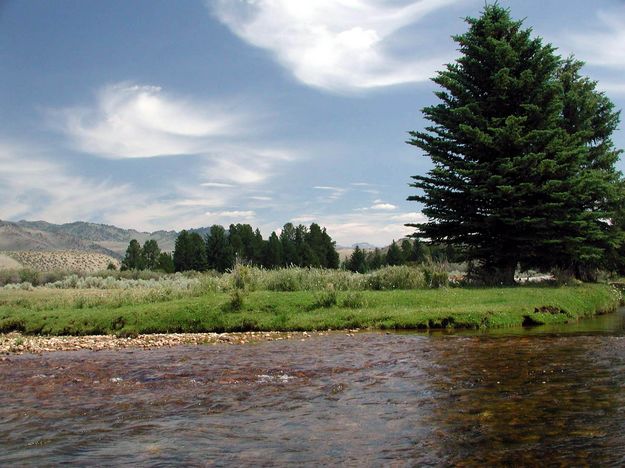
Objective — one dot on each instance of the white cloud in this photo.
(338, 44)
(302, 219)
(133, 121)
(413, 217)
(243, 214)
(383, 207)
(377, 228)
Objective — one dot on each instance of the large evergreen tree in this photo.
(507, 172)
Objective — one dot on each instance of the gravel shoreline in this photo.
(16, 343)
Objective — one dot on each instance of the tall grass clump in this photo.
(435, 275)
(326, 298)
(395, 277)
(176, 282)
(354, 300)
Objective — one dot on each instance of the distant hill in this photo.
(80, 236)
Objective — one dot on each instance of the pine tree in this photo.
(289, 250)
(406, 250)
(419, 252)
(374, 259)
(182, 252)
(332, 258)
(219, 253)
(357, 261)
(506, 170)
(197, 252)
(150, 254)
(165, 263)
(133, 258)
(394, 256)
(273, 254)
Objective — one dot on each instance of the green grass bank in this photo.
(319, 310)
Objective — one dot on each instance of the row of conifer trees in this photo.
(219, 249)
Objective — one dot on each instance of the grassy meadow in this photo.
(293, 299)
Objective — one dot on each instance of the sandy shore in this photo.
(15, 343)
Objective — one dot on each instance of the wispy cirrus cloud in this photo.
(339, 44)
(604, 44)
(137, 121)
(601, 44)
(332, 193)
(33, 187)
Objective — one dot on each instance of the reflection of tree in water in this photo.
(529, 400)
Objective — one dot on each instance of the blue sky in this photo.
(165, 115)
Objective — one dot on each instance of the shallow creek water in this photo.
(522, 397)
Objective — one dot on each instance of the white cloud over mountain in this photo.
(338, 44)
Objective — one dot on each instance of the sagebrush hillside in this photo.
(59, 260)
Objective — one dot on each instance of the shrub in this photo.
(30, 276)
(9, 277)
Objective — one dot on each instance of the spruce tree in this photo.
(589, 117)
(507, 171)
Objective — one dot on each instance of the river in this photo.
(524, 397)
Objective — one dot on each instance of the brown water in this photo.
(523, 397)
